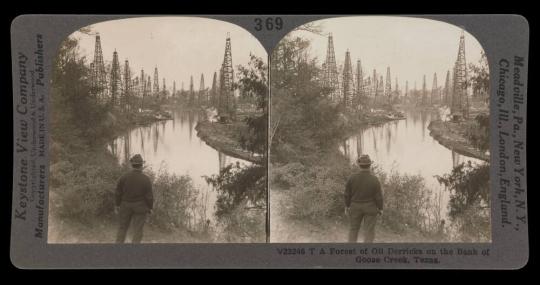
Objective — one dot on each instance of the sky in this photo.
(178, 46)
(411, 47)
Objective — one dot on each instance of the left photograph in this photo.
(158, 133)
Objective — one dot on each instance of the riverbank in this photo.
(452, 136)
(146, 117)
(375, 117)
(223, 137)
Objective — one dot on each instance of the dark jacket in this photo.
(134, 186)
(363, 187)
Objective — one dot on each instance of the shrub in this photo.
(176, 203)
(83, 189)
(478, 132)
(407, 203)
(468, 185)
(316, 193)
(244, 223)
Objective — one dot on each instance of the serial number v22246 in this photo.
(291, 251)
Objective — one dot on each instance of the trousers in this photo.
(131, 214)
(365, 212)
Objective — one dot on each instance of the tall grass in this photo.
(82, 187)
(315, 193)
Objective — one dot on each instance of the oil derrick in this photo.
(330, 76)
(359, 90)
(380, 88)
(148, 86)
(368, 86)
(434, 88)
(182, 92)
(135, 87)
(115, 79)
(388, 85)
(191, 92)
(156, 82)
(396, 90)
(227, 104)
(99, 75)
(415, 93)
(126, 100)
(164, 89)
(424, 92)
(460, 98)
(406, 89)
(220, 100)
(374, 86)
(348, 85)
(174, 89)
(213, 99)
(446, 94)
(91, 77)
(202, 91)
(142, 87)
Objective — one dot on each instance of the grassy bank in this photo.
(81, 199)
(457, 137)
(226, 139)
(308, 205)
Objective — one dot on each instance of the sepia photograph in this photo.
(379, 132)
(158, 133)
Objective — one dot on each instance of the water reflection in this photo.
(408, 149)
(177, 150)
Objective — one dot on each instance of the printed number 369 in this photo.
(268, 24)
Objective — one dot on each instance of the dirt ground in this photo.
(105, 232)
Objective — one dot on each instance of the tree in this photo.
(304, 122)
(469, 199)
(253, 84)
(479, 78)
(246, 186)
(71, 99)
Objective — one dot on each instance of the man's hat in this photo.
(136, 159)
(364, 160)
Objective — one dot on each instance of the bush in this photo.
(468, 185)
(316, 193)
(176, 203)
(478, 132)
(244, 223)
(408, 203)
(83, 189)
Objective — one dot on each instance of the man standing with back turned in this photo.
(363, 201)
(134, 200)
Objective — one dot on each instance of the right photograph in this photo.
(379, 132)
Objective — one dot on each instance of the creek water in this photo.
(173, 145)
(405, 146)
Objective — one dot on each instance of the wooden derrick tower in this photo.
(359, 90)
(348, 85)
(227, 103)
(98, 73)
(115, 80)
(388, 86)
(330, 76)
(460, 98)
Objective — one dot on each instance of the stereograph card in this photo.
(270, 141)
